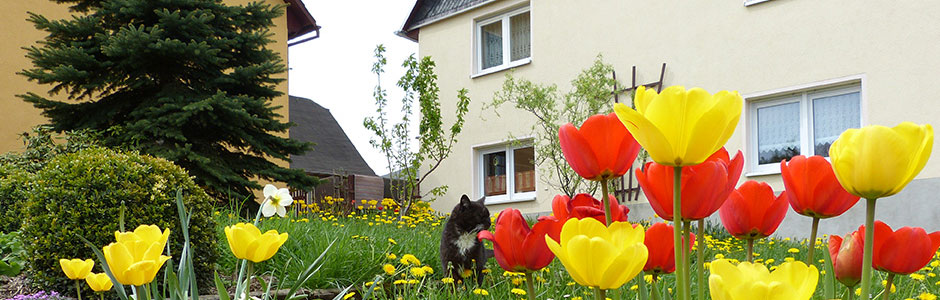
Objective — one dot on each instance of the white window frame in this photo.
(804, 95)
(479, 171)
(504, 17)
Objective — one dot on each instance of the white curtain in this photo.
(519, 36)
(831, 116)
(778, 132)
(492, 45)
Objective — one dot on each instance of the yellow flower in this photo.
(392, 241)
(389, 269)
(391, 256)
(350, 295)
(408, 259)
(680, 127)
(520, 292)
(246, 242)
(418, 272)
(428, 269)
(481, 292)
(447, 280)
(598, 256)
(135, 257)
(877, 161)
(790, 281)
(76, 269)
(99, 282)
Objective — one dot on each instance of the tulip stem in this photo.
(530, 285)
(750, 250)
(812, 241)
(78, 290)
(700, 249)
(887, 292)
(655, 293)
(600, 294)
(606, 200)
(687, 256)
(867, 253)
(681, 268)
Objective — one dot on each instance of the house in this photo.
(807, 70)
(295, 26)
(333, 159)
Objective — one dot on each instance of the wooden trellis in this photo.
(627, 189)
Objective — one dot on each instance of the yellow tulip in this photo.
(679, 127)
(76, 269)
(99, 282)
(598, 256)
(877, 161)
(136, 257)
(247, 242)
(790, 281)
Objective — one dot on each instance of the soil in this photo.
(12, 286)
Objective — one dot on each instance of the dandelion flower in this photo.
(389, 269)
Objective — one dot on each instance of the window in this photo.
(503, 41)
(804, 122)
(507, 173)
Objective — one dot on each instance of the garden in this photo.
(127, 225)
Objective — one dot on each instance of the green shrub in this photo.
(81, 194)
(13, 186)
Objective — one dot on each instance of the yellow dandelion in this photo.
(447, 280)
(520, 292)
(481, 292)
(389, 269)
(350, 295)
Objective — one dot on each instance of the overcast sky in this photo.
(335, 69)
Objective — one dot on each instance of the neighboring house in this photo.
(807, 71)
(295, 26)
(334, 159)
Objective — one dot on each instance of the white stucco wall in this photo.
(718, 45)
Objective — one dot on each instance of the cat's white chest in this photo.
(465, 241)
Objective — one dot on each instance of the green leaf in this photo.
(829, 280)
(220, 288)
(107, 270)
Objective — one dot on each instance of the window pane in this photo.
(494, 174)
(831, 116)
(778, 132)
(492, 48)
(519, 36)
(524, 167)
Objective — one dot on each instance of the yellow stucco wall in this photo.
(712, 44)
(19, 116)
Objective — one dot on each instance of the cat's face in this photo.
(470, 216)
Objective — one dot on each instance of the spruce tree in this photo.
(188, 80)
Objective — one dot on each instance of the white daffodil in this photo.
(275, 200)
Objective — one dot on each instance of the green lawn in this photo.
(365, 241)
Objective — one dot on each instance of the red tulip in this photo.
(516, 247)
(847, 257)
(661, 258)
(752, 211)
(601, 149)
(586, 206)
(705, 186)
(812, 188)
(904, 251)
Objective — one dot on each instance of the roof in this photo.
(299, 21)
(430, 11)
(332, 153)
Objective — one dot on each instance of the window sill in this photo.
(753, 2)
(502, 200)
(500, 68)
(762, 173)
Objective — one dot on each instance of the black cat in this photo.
(460, 249)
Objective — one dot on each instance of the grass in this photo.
(366, 240)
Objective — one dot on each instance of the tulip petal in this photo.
(647, 134)
(578, 152)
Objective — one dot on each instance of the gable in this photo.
(429, 11)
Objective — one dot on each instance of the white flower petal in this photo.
(269, 190)
(268, 209)
(281, 211)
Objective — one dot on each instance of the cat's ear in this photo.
(465, 201)
(482, 201)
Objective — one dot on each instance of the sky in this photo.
(335, 70)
